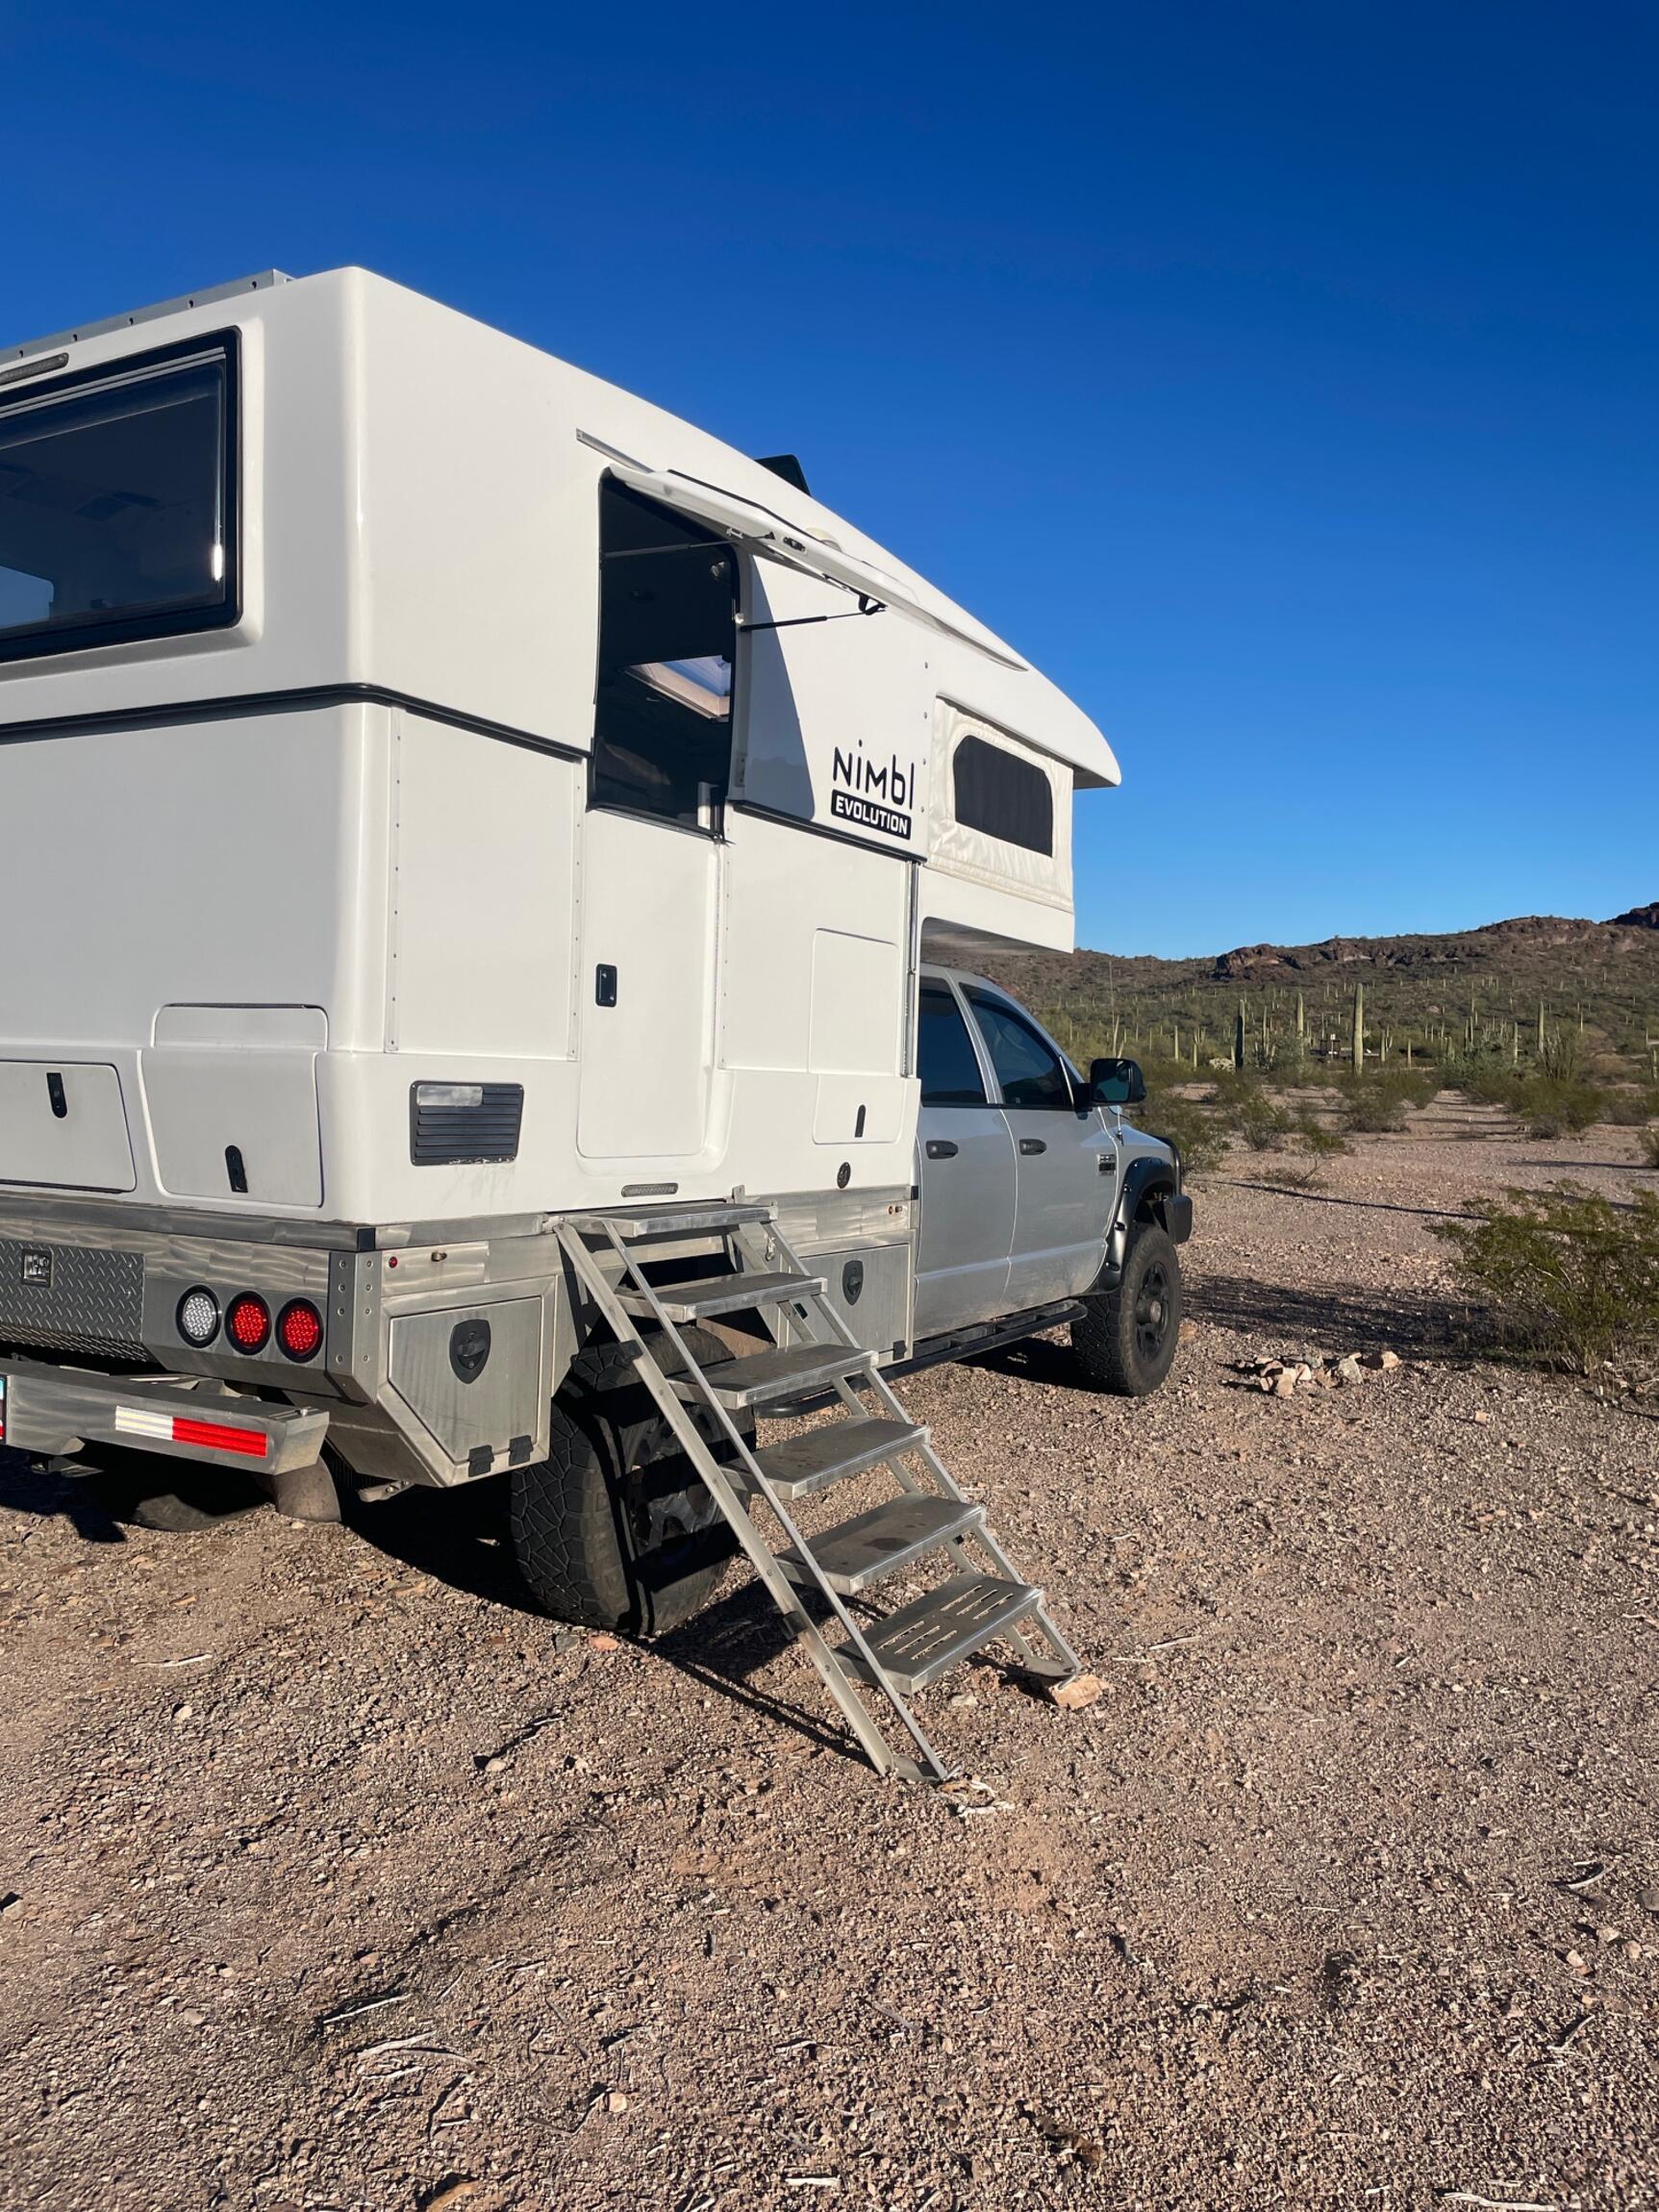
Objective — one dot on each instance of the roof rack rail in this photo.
(261, 282)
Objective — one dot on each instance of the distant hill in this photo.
(1602, 977)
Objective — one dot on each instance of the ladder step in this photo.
(673, 1221)
(888, 1537)
(819, 1456)
(783, 1371)
(723, 1294)
(923, 1639)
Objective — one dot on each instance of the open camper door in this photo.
(660, 769)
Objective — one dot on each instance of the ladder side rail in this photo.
(819, 1310)
(754, 1543)
(923, 1447)
(852, 1707)
(794, 1536)
(942, 1474)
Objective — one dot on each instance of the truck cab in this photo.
(1032, 1184)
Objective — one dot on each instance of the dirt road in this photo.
(333, 1877)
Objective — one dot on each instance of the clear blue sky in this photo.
(1281, 377)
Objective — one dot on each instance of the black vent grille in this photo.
(445, 1135)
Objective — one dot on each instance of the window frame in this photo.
(87, 632)
(987, 1082)
(715, 829)
(976, 995)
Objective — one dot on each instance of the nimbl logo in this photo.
(873, 798)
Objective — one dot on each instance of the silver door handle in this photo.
(941, 1148)
(1029, 1144)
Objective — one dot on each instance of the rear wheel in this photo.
(1125, 1338)
(614, 1529)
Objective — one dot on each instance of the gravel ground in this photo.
(332, 1879)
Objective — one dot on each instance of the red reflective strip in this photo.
(218, 1436)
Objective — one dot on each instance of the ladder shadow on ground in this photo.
(460, 1537)
(734, 1640)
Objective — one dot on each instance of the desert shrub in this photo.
(1372, 1104)
(1628, 1108)
(1320, 1141)
(1196, 1133)
(1567, 1276)
(1556, 1106)
(1261, 1124)
(1650, 1142)
(1483, 1082)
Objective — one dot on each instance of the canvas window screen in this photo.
(1001, 811)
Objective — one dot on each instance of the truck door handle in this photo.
(941, 1148)
(1030, 1144)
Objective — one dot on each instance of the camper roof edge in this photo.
(237, 290)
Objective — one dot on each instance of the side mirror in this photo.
(1117, 1081)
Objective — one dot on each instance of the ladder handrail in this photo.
(761, 1556)
(942, 1474)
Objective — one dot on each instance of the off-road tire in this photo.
(1125, 1338)
(583, 1519)
(170, 1495)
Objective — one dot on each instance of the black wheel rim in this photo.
(1152, 1314)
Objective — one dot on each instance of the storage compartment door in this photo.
(63, 1126)
(645, 985)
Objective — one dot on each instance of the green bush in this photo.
(1631, 1109)
(1567, 1276)
(1556, 1106)
(1320, 1141)
(1200, 1137)
(1261, 1124)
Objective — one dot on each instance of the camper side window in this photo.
(117, 493)
(667, 635)
(1004, 795)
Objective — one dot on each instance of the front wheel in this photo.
(1125, 1338)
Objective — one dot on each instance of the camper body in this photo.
(445, 796)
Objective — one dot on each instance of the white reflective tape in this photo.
(142, 1421)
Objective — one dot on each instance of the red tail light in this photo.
(248, 1322)
(299, 1329)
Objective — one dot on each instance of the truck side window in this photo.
(667, 632)
(944, 1052)
(1028, 1068)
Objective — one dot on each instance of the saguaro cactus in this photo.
(1359, 1028)
(1239, 1038)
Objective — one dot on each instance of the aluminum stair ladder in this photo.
(873, 1664)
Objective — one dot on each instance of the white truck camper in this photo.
(489, 877)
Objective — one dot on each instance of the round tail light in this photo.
(198, 1318)
(299, 1329)
(248, 1321)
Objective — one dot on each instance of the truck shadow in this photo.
(26, 1489)
(460, 1537)
(1333, 1320)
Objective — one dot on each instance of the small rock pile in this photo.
(1283, 1378)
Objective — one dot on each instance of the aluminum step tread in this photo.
(925, 1639)
(782, 1371)
(888, 1537)
(819, 1456)
(711, 1295)
(650, 1221)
